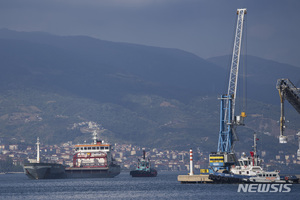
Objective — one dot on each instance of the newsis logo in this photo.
(263, 188)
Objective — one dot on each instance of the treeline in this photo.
(8, 166)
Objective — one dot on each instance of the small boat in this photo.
(144, 168)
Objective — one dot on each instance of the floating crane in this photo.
(224, 157)
(287, 90)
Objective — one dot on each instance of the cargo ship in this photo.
(144, 168)
(89, 161)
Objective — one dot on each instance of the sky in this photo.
(203, 27)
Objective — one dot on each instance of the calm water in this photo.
(164, 186)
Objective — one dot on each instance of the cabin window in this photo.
(98, 148)
(259, 175)
(89, 148)
(77, 149)
(274, 175)
(85, 148)
(247, 172)
(93, 148)
(264, 175)
(106, 147)
(102, 148)
(81, 148)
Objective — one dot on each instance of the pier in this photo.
(201, 178)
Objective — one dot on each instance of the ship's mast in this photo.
(95, 137)
(38, 150)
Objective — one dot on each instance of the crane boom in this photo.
(234, 69)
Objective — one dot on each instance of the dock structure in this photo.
(298, 176)
(201, 178)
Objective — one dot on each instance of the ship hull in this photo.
(58, 171)
(103, 172)
(142, 173)
(227, 178)
(44, 170)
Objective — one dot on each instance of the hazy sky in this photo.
(203, 27)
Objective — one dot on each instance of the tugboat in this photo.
(144, 168)
(249, 170)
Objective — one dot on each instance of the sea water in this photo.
(123, 186)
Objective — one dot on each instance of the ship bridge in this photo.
(92, 147)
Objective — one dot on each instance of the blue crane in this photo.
(224, 157)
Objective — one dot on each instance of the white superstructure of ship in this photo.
(95, 155)
(93, 161)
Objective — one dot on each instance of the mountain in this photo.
(60, 88)
(97, 61)
(261, 76)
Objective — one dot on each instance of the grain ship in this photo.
(89, 161)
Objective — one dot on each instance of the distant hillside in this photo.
(53, 86)
(107, 66)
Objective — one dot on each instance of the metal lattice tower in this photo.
(234, 70)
